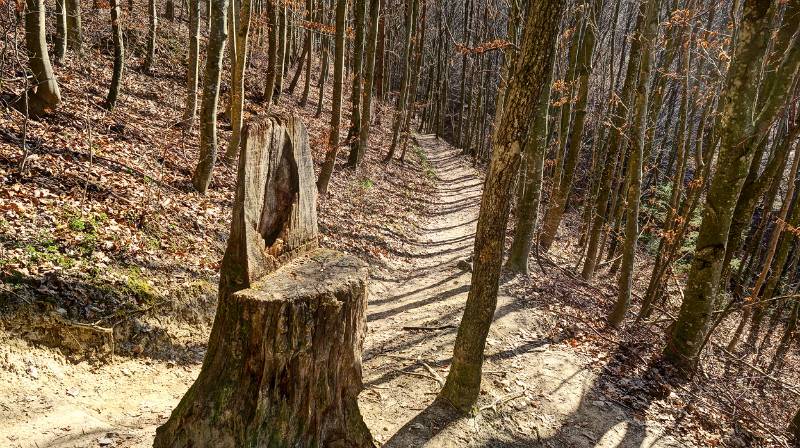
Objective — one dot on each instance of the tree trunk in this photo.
(151, 37)
(272, 50)
(323, 76)
(380, 57)
(735, 126)
(190, 112)
(535, 59)
(283, 367)
(531, 179)
(558, 199)
(242, 31)
(615, 155)
(307, 82)
(60, 40)
(282, 52)
(369, 76)
(74, 29)
(208, 108)
(119, 56)
(758, 308)
(336, 111)
(359, 11)
(399, 113)
(638, 131)
(44, 95)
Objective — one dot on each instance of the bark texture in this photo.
(336, 113)
(535, 59)
(283, 367)
(208, 107)
(735, 127)
(43, 95)
(119, 56)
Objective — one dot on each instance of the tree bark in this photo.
(399, 113)
(530, 194)
(336, 112)
(369, 76)
(359, 31)
(283, 368)
(272, 50)
(735, 126)
(60, 39)
(119, 56)
(74, 29)
(634, 192)
(242, 32)
(151, 37)
(190, 111)
(208, 108)
(43, 95)
(535, 59)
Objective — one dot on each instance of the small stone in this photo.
(418, 426)
(73, 392)
(105, 441)
(33, 372)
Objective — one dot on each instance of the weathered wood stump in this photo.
(283, 367)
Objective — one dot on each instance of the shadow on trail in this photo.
(599, 420)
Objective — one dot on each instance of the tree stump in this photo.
(283, 367)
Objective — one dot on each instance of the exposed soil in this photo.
(537, 388)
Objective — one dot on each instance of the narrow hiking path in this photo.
(537, 391)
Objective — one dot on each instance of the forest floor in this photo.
(109, 265)
(540, 387)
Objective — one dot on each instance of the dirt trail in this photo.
(536, 391)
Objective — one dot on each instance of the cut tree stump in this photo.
(283, 367)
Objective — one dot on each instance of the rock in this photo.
(464, 265)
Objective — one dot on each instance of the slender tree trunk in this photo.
(208, 107)
(74, 28)
(323, 75)
(535, 59)
(60, 40)
(380, 57)
(308, 43)
(757, 308)
(412, 93)
(558, 199)
(281, 59)
(735, 127)
(369, 76)
(190, 112)
(43, 95)
(272, 50)
(530, 194)
(399, 115)
(615, 155)
(634, 191)
(336, 113)
(151, 37)
(241, 36)
(359, 11)
(119, 56)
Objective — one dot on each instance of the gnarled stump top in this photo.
(275, 212)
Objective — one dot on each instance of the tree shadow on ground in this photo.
(600, 419)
